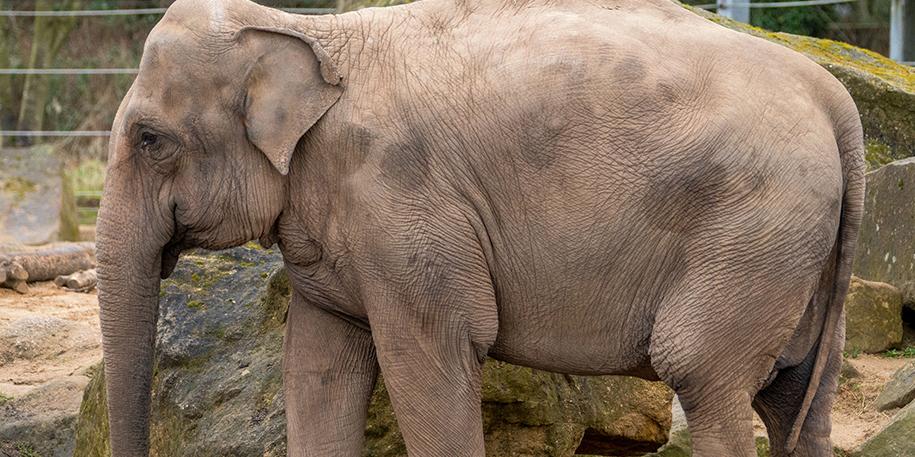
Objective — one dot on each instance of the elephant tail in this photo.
(849, 138)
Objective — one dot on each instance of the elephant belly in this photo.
(587, 314)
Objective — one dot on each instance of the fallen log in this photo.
(19, 264)
(81, 281)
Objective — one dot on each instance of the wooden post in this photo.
(738, 10)
(902, 31)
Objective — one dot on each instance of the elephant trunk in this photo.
(129, 267)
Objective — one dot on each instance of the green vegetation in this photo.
(276, 301)
(904, 353)
(18, 186)
(26, 450)
(825, 21)
(89, 175)
(4, 398)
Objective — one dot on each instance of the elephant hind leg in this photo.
(778, 405)
(716, 344)
(720, 421)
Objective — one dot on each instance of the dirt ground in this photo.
(50, 337)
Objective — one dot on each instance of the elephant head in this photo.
(198, 157)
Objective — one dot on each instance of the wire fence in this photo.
(158, 11)
(129, 12)
(68, 71)
(55, 133)
(93, 71)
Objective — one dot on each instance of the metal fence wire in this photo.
(155, 11)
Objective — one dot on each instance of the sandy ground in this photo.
(46, 335)
(854, 418)
(50, 337)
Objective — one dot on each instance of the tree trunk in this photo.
(48, 36)
(19, 265)
(81, 281)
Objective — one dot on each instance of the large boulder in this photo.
(873, 316)
(895, 439)
(217, 388)
(37, 205)
(900, 391)
(43, 428)
(886, 244)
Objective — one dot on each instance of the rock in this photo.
(894, 439)
(886, 247)
(46, 428)
(900, 391)
(217, 388)
(848, 372)
(37, 205)
(873, 317)
(32, 337)
(883, 90)
(531, 412)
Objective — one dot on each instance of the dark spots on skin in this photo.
(406, 162)
(630, 70)
(279, 116)
(540, 136)
(358, 137)
(667, 93)
(682, 200)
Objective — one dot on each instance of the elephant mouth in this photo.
(172, 251)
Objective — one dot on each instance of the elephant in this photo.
(585, 187)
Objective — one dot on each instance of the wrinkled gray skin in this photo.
(608, 187)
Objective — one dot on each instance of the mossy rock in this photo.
(894, 439)
(217, 387)
(37, 204)
(873, 317)
(886, 241)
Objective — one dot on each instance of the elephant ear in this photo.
(291, 84)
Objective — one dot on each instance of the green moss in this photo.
(92, 423)
(4, 398)
(196, 305)
(217, 333)
(824, 51)
(877, 154)
(276, 302)
(234, 261)
(26, 450)
(762, 447)
(18, 186)
(69, 217)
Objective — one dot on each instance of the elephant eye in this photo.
(156, 147)
(148, 140)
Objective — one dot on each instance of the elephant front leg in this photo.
(329, 372)
(431, 336)
(434, 382)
